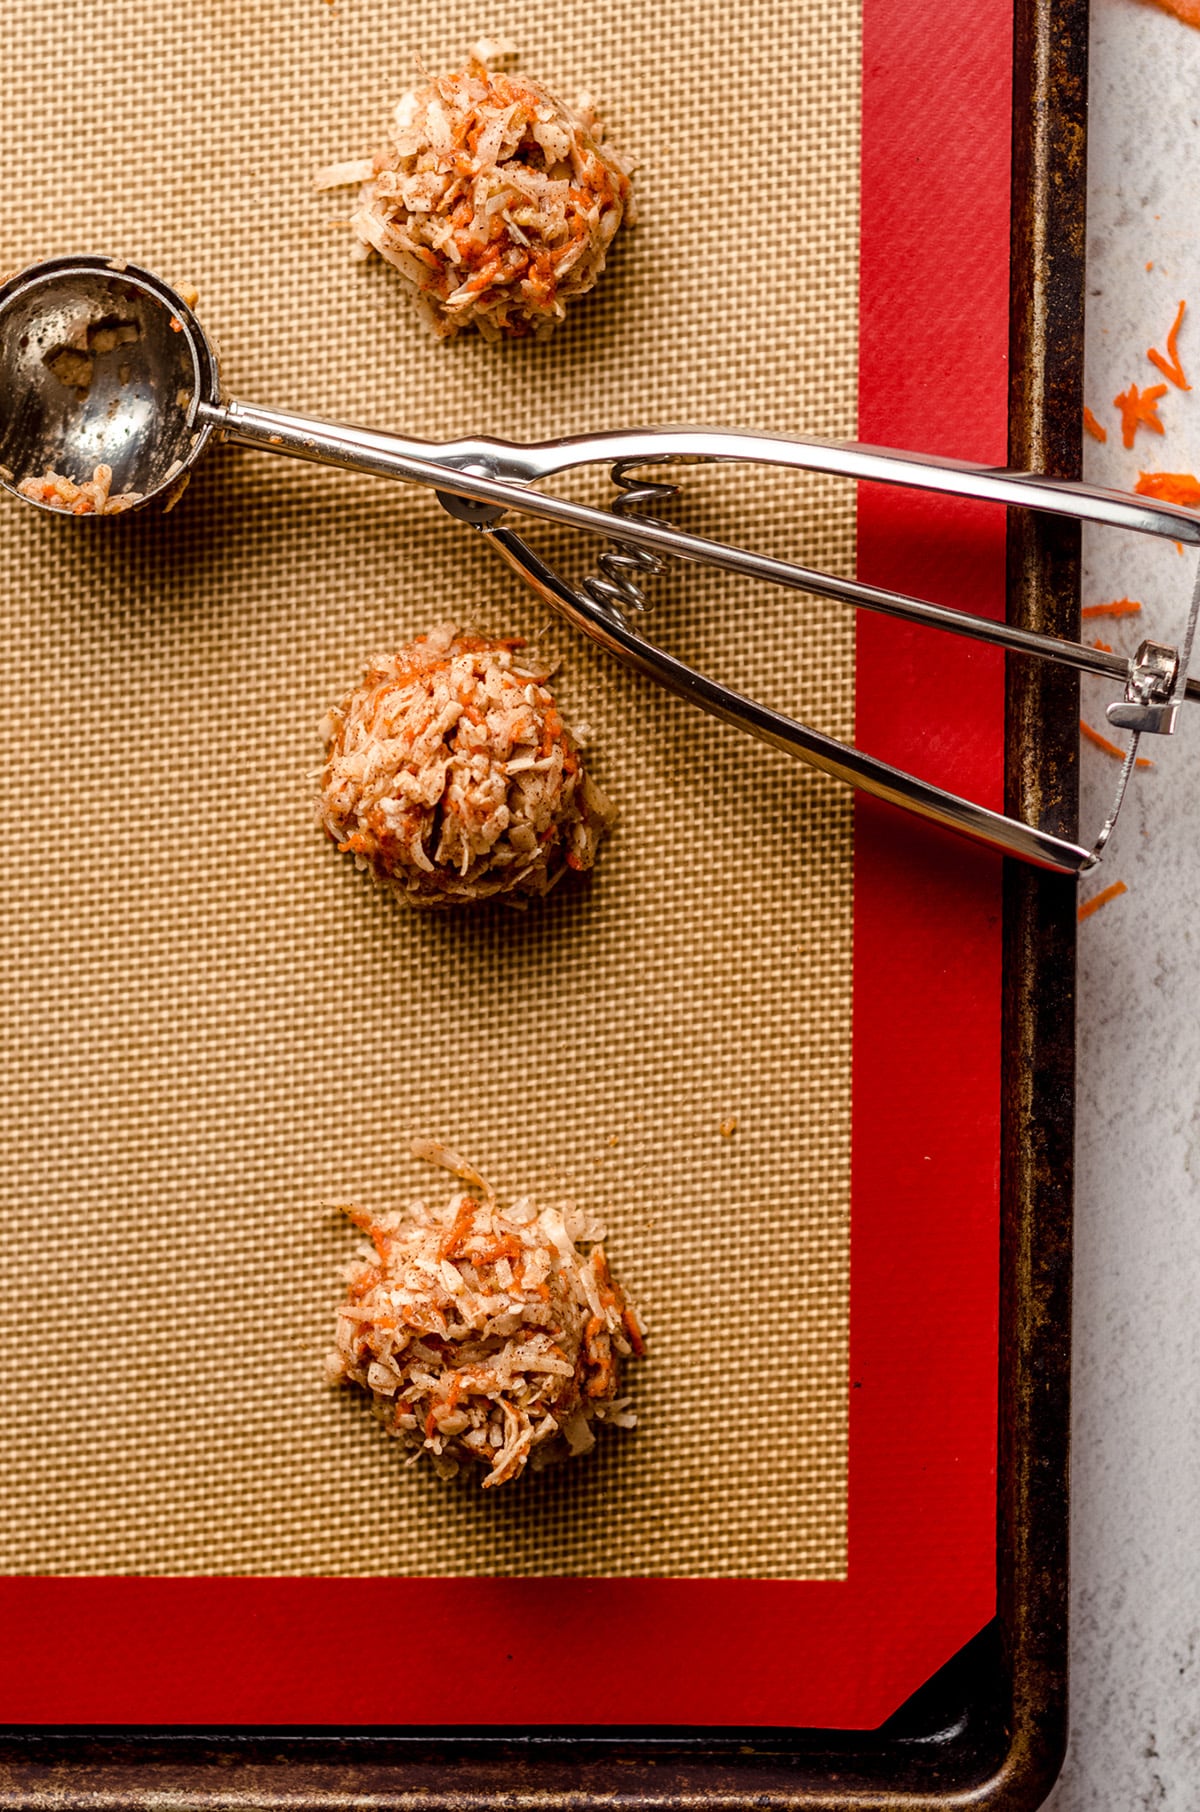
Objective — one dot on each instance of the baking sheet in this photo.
(217, 1030)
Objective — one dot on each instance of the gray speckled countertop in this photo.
(1136, 1456)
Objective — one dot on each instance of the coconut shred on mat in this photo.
(488, 1336)
(496, 202)
(450, 775)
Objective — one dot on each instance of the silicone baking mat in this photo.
(218, 1030)
(250, 1033)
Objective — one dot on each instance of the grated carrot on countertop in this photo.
(1170, 487)
(1120, 607)
(1186, 10)
(1139, 409)
(1170, 366)
(1104, 647)
(1101, 899)
(1093, 427)
(1110, 748)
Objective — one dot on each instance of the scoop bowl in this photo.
(101, 363)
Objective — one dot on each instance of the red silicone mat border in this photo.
(231, 1651)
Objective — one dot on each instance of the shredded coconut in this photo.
(93, 497)
(451, 776)
(494, 201)
(485, 1335)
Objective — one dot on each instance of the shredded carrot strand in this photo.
(1170, 487)
(1120, 607)
(1104, 647)
(1110, 748)
(633, 1330)
(1188, 11)
(1101, 899)
(1093, 427)
(1139, 409)
(1170, 366)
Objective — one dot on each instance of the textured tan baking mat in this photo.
(214, 1029)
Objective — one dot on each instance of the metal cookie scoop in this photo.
(101, 363)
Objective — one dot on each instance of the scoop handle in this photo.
(479, 480)
(478, 468)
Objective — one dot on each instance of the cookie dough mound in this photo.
(450, 774)
(496, 202)
(487, 1335)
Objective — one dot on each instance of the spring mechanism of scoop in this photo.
(617, 586)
